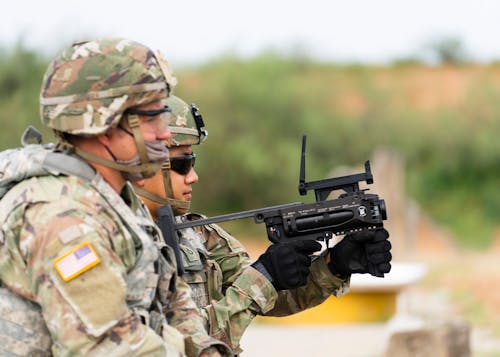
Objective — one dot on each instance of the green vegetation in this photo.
(21, 73)
(257, 110)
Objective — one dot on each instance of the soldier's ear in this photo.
(104, 139)
(109, 134)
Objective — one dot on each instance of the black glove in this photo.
(362, 252)
(286, 265)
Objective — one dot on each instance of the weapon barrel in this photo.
(323, 220)
(233, 216)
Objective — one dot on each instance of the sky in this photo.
(195, 31)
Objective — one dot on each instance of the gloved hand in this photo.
(362, 252)
(286, 264)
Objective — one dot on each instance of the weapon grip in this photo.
(373, 268)
(166, 222)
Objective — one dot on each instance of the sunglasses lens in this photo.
(182, 165)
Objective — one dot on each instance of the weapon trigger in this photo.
(327, 242)
(323, 250)
(334, 241)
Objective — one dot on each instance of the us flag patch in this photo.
(77, 261)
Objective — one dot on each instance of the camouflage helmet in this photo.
(186, 124)
(89, 85)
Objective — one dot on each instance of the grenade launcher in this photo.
(352, 211)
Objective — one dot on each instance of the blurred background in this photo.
(412, 87)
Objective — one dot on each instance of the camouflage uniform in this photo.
(229, 292)
(91, 260)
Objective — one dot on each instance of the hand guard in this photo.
(363, 252)
(286, 265)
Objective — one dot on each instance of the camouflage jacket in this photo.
(231, 293)
(95, 264)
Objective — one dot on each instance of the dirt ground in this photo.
(471, 282)
(469, 279)
(459, 284)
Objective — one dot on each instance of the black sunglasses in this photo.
(182, 164)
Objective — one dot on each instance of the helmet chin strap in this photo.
(169, 194)
(64, 145)
(142, 168)
(133, 122)
(169, 191)
(145, 168)
(176, 204)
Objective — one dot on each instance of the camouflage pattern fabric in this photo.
(89, 85)
(22, 327)
(195, 259)
(127, 302)
(237, 292)
(180, 310)
(183, 125)
(20, 163)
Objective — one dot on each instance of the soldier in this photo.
(76, 243)
(229, 289)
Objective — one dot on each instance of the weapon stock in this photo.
(166, 223)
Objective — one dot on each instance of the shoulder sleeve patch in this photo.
(76, 261)
(73, 232)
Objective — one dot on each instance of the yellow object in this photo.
(77, 261)
(370, 299)
(354, 307)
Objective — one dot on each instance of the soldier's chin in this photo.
(180, 211)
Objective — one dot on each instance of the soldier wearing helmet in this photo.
(187, 128)
(229, 290)
(76, 243)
